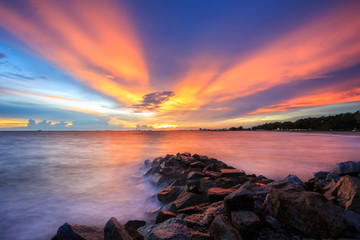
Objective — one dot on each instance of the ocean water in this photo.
(48, 178)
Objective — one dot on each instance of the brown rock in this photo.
(348, 193)
(221, 229)
(241, 199)
(187, 199)
(203, 220)
(218, 194)
(135, 224)
(157, 179)
(245, 222)
(232, 173)
(69, 231)
(164, 215)
(115, 231)
(308, 212)
(134, 233)
(169, 194)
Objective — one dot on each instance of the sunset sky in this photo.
(180, 64)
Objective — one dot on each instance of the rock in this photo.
(203, 220)
(308, 212)
(195, 175)
(232, 173)
(348, 193)
(218, 194)
(293, 179)
(347, 168)
(320, 175)
(164, 215)
(169, 194)
(194, 209)
(135, 224)
(158, 179)
(135, 235)
(115, 231)
(241, 199)
(205, 184)
(273, 222)
(353, 225)
(226, 182)
(174, 228)
(187, 199)
(171, 207)
(197, 164)
(70, 231)
(245, 222)
(221, 229)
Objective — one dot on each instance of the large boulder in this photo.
(164, 215)
(221, 229)
(308, 212)
(187, 199)
(169, 193)
(135, 224)
(115, 231)
(232, 173)
(174, 228)
(218, 194)
(70, 231)
(158, 179)
(204, 219)
(293, 179)
(347, 192)
(245, 222)
(241, 199)
(347, 168)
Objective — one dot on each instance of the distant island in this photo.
(339, 122)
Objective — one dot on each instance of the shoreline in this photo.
(204, 198)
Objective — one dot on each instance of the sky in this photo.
(180, 64)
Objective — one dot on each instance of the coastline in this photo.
(204, 198)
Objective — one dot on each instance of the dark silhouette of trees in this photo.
(340, 122)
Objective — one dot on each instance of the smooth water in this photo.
(48, 178)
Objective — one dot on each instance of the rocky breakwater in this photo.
(204, 198)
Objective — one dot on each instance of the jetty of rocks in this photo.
(204, 198)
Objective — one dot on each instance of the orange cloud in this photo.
(325, 44)
(89, 48)
(327, 98)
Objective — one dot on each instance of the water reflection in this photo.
(47, 178)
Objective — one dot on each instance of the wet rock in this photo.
(169, 194)
(226, 182)
(194, 209)
(353, 225)
(70, 231)
(232, 173)
(174, 228)
(147, 163)
(308, 212)
(197, 164)
(171, 207)
(241, 199)
(164, 215)
(347, 191)
(205, 184)
(221, 229)
(218, 194)
(195, 175)
(157, 179)
(203, 220)
(293, 179)
(347, 168)
(245, 222)
(135, 224)
(320, 175)
(134, 234)
(115, 231)
(187, 199)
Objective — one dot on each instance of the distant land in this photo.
(339, 122)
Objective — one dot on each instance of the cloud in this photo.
(64, 38)
(153, 101)
(2, 55)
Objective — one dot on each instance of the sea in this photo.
(49, 178)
